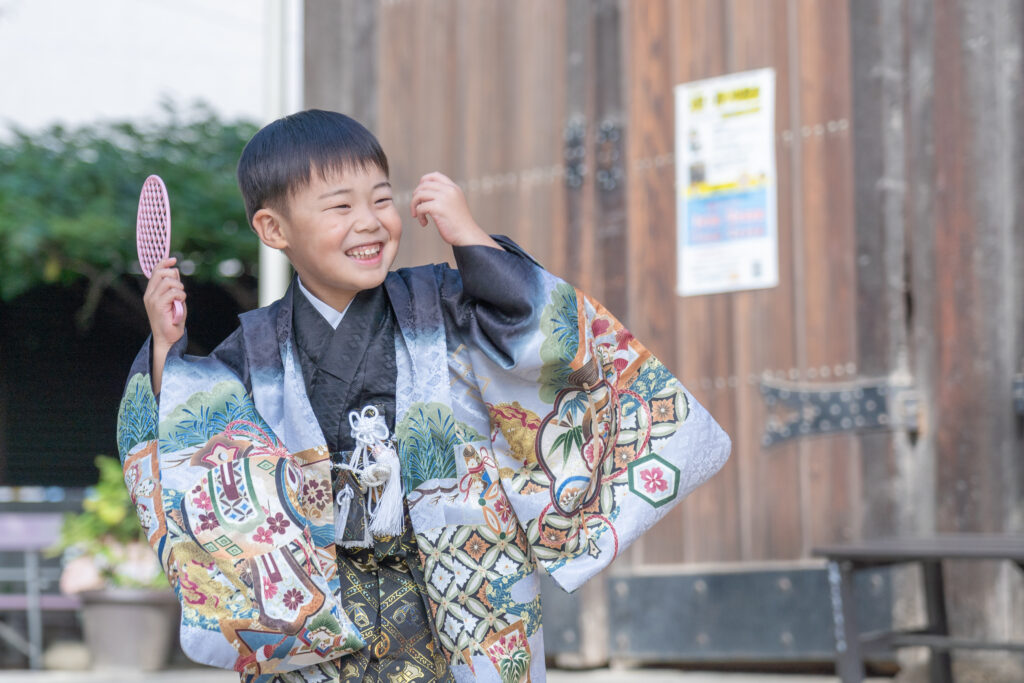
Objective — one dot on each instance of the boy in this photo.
(529, 428)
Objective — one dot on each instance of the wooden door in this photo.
(897, 150)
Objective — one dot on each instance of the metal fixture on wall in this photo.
(575, 153)
(798, 409)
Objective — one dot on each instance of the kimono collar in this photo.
(331, 314)
(421, 354)
(277, 386)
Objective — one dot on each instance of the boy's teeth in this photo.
(364, 252)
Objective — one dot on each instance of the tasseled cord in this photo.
(376, 464)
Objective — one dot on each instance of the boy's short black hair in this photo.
(282, 157)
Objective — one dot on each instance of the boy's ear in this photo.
(267, 224)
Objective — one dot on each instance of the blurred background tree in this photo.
(71, 311)
(68, 199)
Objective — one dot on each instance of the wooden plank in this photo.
(529, 120)
(553, 211)
(579, 208)
(650, 187)
(977, 462)
(974, 237)
(763, 319)
(921, 208)
(398, 90)
(651, 214)
(829, 278)
(503, 147)
(540, 100)
(468, 101)
(610, 196)
(879, 124)
(336, 33)
(550, 209)
(778, 528)
(957, 299)
(704, 324)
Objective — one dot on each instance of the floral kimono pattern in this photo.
(533, 431)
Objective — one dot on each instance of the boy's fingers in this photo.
(424, 210)
(164, 274)
(437, 176)
(167, 274)
(168, 285)
(428, 193)
(420, 213)
(435, 186)
(165, 263)
(172, 286)
(419, 198)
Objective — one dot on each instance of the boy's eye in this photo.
(342, 206)
(384, 200)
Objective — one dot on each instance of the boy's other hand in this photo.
(165, 287)
(438, 197)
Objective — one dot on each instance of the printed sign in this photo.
(726, 184)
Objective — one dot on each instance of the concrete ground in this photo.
(196, 675)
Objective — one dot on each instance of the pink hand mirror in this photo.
(153, 230)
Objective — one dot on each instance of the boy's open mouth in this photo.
(365, 252)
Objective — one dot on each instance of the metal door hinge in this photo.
(796, 409)
(609, 155)
(575, 153)
(1018, 393)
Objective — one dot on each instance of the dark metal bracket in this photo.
(575, 153)
(608, 157)
(796, 409)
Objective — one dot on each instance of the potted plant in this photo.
(129, 613)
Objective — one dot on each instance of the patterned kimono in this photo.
(532, 429)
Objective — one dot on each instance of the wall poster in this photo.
(727, 237)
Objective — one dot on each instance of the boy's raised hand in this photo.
(165, 287)
(438, 197)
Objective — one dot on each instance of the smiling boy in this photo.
(529, 428)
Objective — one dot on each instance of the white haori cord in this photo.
(375, 464)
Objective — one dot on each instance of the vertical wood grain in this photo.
(704, 324)
(829, 286)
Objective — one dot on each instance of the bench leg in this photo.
(34, 613)
(849, 664)
(940, 667)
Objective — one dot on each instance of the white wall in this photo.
(76, 61)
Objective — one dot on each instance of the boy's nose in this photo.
(368, 223)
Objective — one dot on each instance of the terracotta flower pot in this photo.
(128, 628)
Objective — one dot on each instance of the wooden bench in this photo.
(30, 533)
(929, 552)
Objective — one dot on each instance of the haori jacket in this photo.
(533, 431)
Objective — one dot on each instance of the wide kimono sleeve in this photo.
(592, 437)
(242, 528)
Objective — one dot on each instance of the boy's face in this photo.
(340, 233)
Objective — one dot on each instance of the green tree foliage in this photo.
(69, 196)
